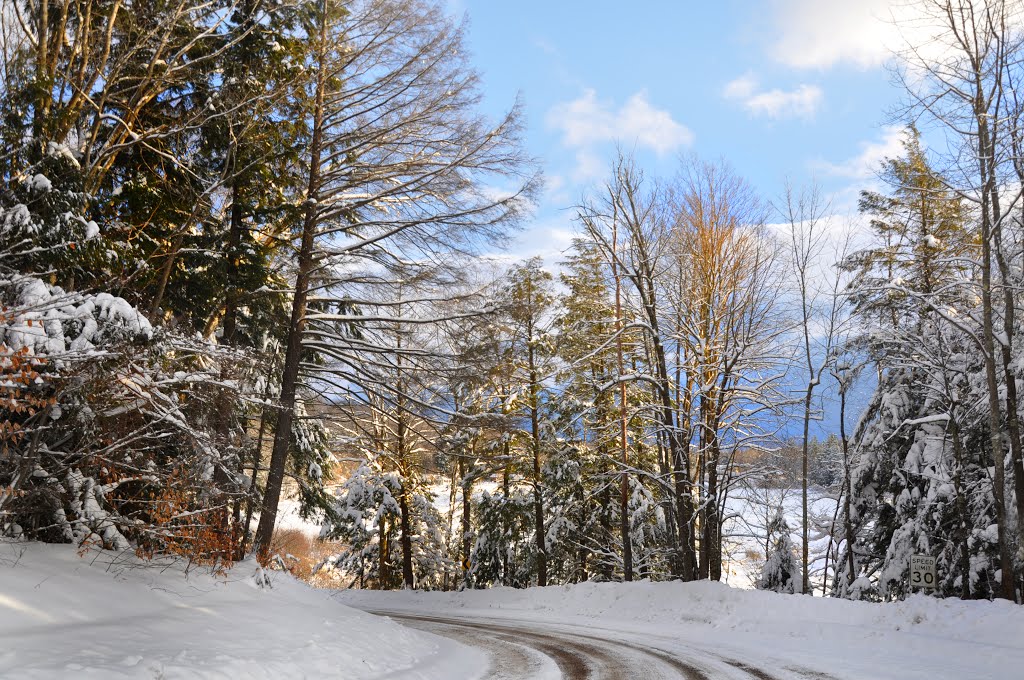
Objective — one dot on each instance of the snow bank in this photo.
(724, 607)
(921, 638)
(108, 616)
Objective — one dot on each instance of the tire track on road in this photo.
(575, 655)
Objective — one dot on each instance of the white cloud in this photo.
(590, 165)
(557, 190)
(822, 33)
(553, 183)
(864, 33)
(587, 120)
(741, 88)
(867, 163)
(803, 102)
(549, 239)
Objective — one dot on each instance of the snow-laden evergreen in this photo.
(922, 477)
(781, 571)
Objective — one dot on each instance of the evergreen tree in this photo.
(918, 480)
(781, 571)
(528, 302)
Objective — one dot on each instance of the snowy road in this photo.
(542, 650)
(704, 630)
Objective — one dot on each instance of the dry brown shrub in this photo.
(183, 527)
(301, 553)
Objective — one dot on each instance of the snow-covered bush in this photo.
(118, 443)
(368, 518)
(505, 549)
(917, 490)
(44, 225)
(311, 465)
(365, 516)
(583, 525)
(781, 571)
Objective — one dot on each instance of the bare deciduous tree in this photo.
(820, 314)
(398, 172)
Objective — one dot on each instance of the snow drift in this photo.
(108, 615)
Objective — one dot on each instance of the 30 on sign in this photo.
(922, 571)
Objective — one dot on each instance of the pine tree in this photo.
(528, 303)
(589, 416)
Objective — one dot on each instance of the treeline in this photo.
(240, 242)
(593, 422)
(596, 429)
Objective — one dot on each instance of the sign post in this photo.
(922, 572)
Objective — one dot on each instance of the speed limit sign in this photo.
(922, 571)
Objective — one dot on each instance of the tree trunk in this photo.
(627, 544)
(988, 339)
(506, 488)
(667, 473)
(406, 541)
(964, 530)
(538, 498)
(847, 490)
(1013, 427)
(805, 536)
(829, 550)
(467, 529)
(712, 526)
(293, 353)
(582, 551)
(165, 275)
(700, 500)
(677, 449)
(43, 86)
(383, 573)
(257, 460)
(606, 567)
(404, 467)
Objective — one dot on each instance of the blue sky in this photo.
(780, 89)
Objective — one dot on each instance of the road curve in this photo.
(525, 650)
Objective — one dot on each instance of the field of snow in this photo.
(747, 514)
(107, 615)
(920, 639)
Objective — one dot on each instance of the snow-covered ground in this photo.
(747, 514)
(106, 615)
(922, 638)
